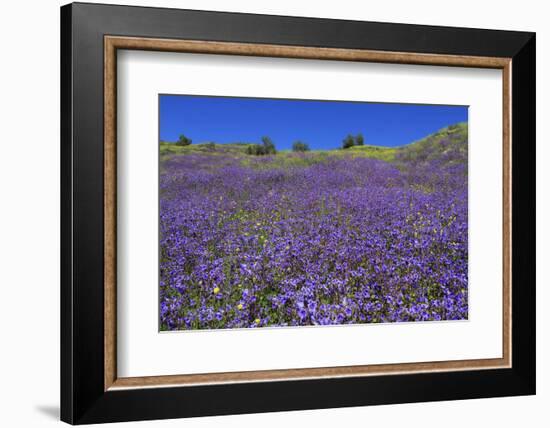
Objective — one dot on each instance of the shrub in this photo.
(266, 148)
(256, 150)
(348, 142)
(299, 146)
(269, 146)
(351, 141)
(183, 141)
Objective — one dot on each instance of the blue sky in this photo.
(321, 124)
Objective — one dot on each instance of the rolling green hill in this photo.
(168, 148)
(449, 144)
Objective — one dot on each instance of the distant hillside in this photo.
(168, 148)
(449, 144)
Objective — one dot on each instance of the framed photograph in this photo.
(266, 213)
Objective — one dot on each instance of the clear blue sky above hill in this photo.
(321, 124)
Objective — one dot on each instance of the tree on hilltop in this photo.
(184, 141)
(300, 146)
(351, 141)
(348, 142)
(269, 146)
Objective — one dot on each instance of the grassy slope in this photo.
(451, 138)
(427, 148)
(455, 137)
(375, 152)
(170, 148)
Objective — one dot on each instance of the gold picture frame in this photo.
(114, 43)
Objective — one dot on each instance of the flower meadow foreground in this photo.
(315, 238)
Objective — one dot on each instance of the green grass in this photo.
(374, 152)
(287, 159)
(432, 147)
(168, 149)
(427, 148)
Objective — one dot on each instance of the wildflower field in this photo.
(364, 235)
